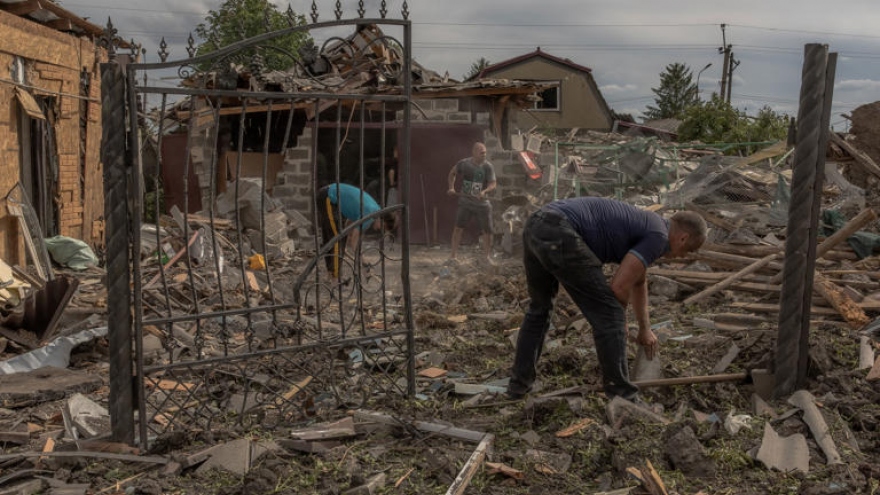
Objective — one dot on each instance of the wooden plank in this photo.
(757, 265)
(461, 482)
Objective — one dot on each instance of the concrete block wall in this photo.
(442, 110)
(293, 186)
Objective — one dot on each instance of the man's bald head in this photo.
(479, 153)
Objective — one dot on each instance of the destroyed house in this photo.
(448, 117)
(573, 101)
(51, 129)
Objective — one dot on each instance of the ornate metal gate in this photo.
(222, 311)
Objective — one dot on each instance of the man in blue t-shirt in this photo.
(567, 242)
(478, 180)
(339, 205)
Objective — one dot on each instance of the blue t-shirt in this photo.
(613, 228)
(348, 199)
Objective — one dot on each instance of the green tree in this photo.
(476, 68)
(238, 20)
(676, 93)
(716, 121)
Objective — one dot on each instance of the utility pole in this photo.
(725, 67)
(733, 64)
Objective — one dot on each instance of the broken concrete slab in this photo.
(549, 462)
(91, 420)
(236, 456)
(618, 409)
(814, 419)
(44, 385)
(688, 455)
(784, 454)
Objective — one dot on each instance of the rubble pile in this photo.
(710, 423)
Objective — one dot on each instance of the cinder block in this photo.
(459, 117)
(446, 104)
(297, 154)
(424, 104)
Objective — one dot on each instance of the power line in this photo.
(802, 31)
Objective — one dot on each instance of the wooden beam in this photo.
(861, 158)
(757, 265)
(865, 217)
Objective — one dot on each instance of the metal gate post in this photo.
(118, 242)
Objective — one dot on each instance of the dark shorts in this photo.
(481, 212)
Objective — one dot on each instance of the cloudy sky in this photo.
(627, 43)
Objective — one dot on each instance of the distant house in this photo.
(50, 130)
(575, 102)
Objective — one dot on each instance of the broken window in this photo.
(549, 99)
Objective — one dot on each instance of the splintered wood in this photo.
(759, 269)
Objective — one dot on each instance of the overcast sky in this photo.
(627, 43)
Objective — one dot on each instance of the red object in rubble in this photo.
(526, 158)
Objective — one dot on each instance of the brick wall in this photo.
(53, 64)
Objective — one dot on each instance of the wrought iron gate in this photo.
(222, 311)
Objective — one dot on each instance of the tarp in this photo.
(70, 252)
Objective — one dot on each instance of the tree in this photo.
(716, 121)
(476, 68)
(238, 20)
(676, 93)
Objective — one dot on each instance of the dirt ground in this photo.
(693, 447)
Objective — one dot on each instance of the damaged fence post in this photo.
(801, 233)
(118, 242)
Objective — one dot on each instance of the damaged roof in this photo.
(375, 70)
(51, 15)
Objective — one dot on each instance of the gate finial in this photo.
(291, 16)
(314, 12)
(163, 50)
(108, 39)
(361, 10)
(338, 10)
(191, 46)
(405, 11)
(383, 10)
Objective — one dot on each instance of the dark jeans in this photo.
(555, 254)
